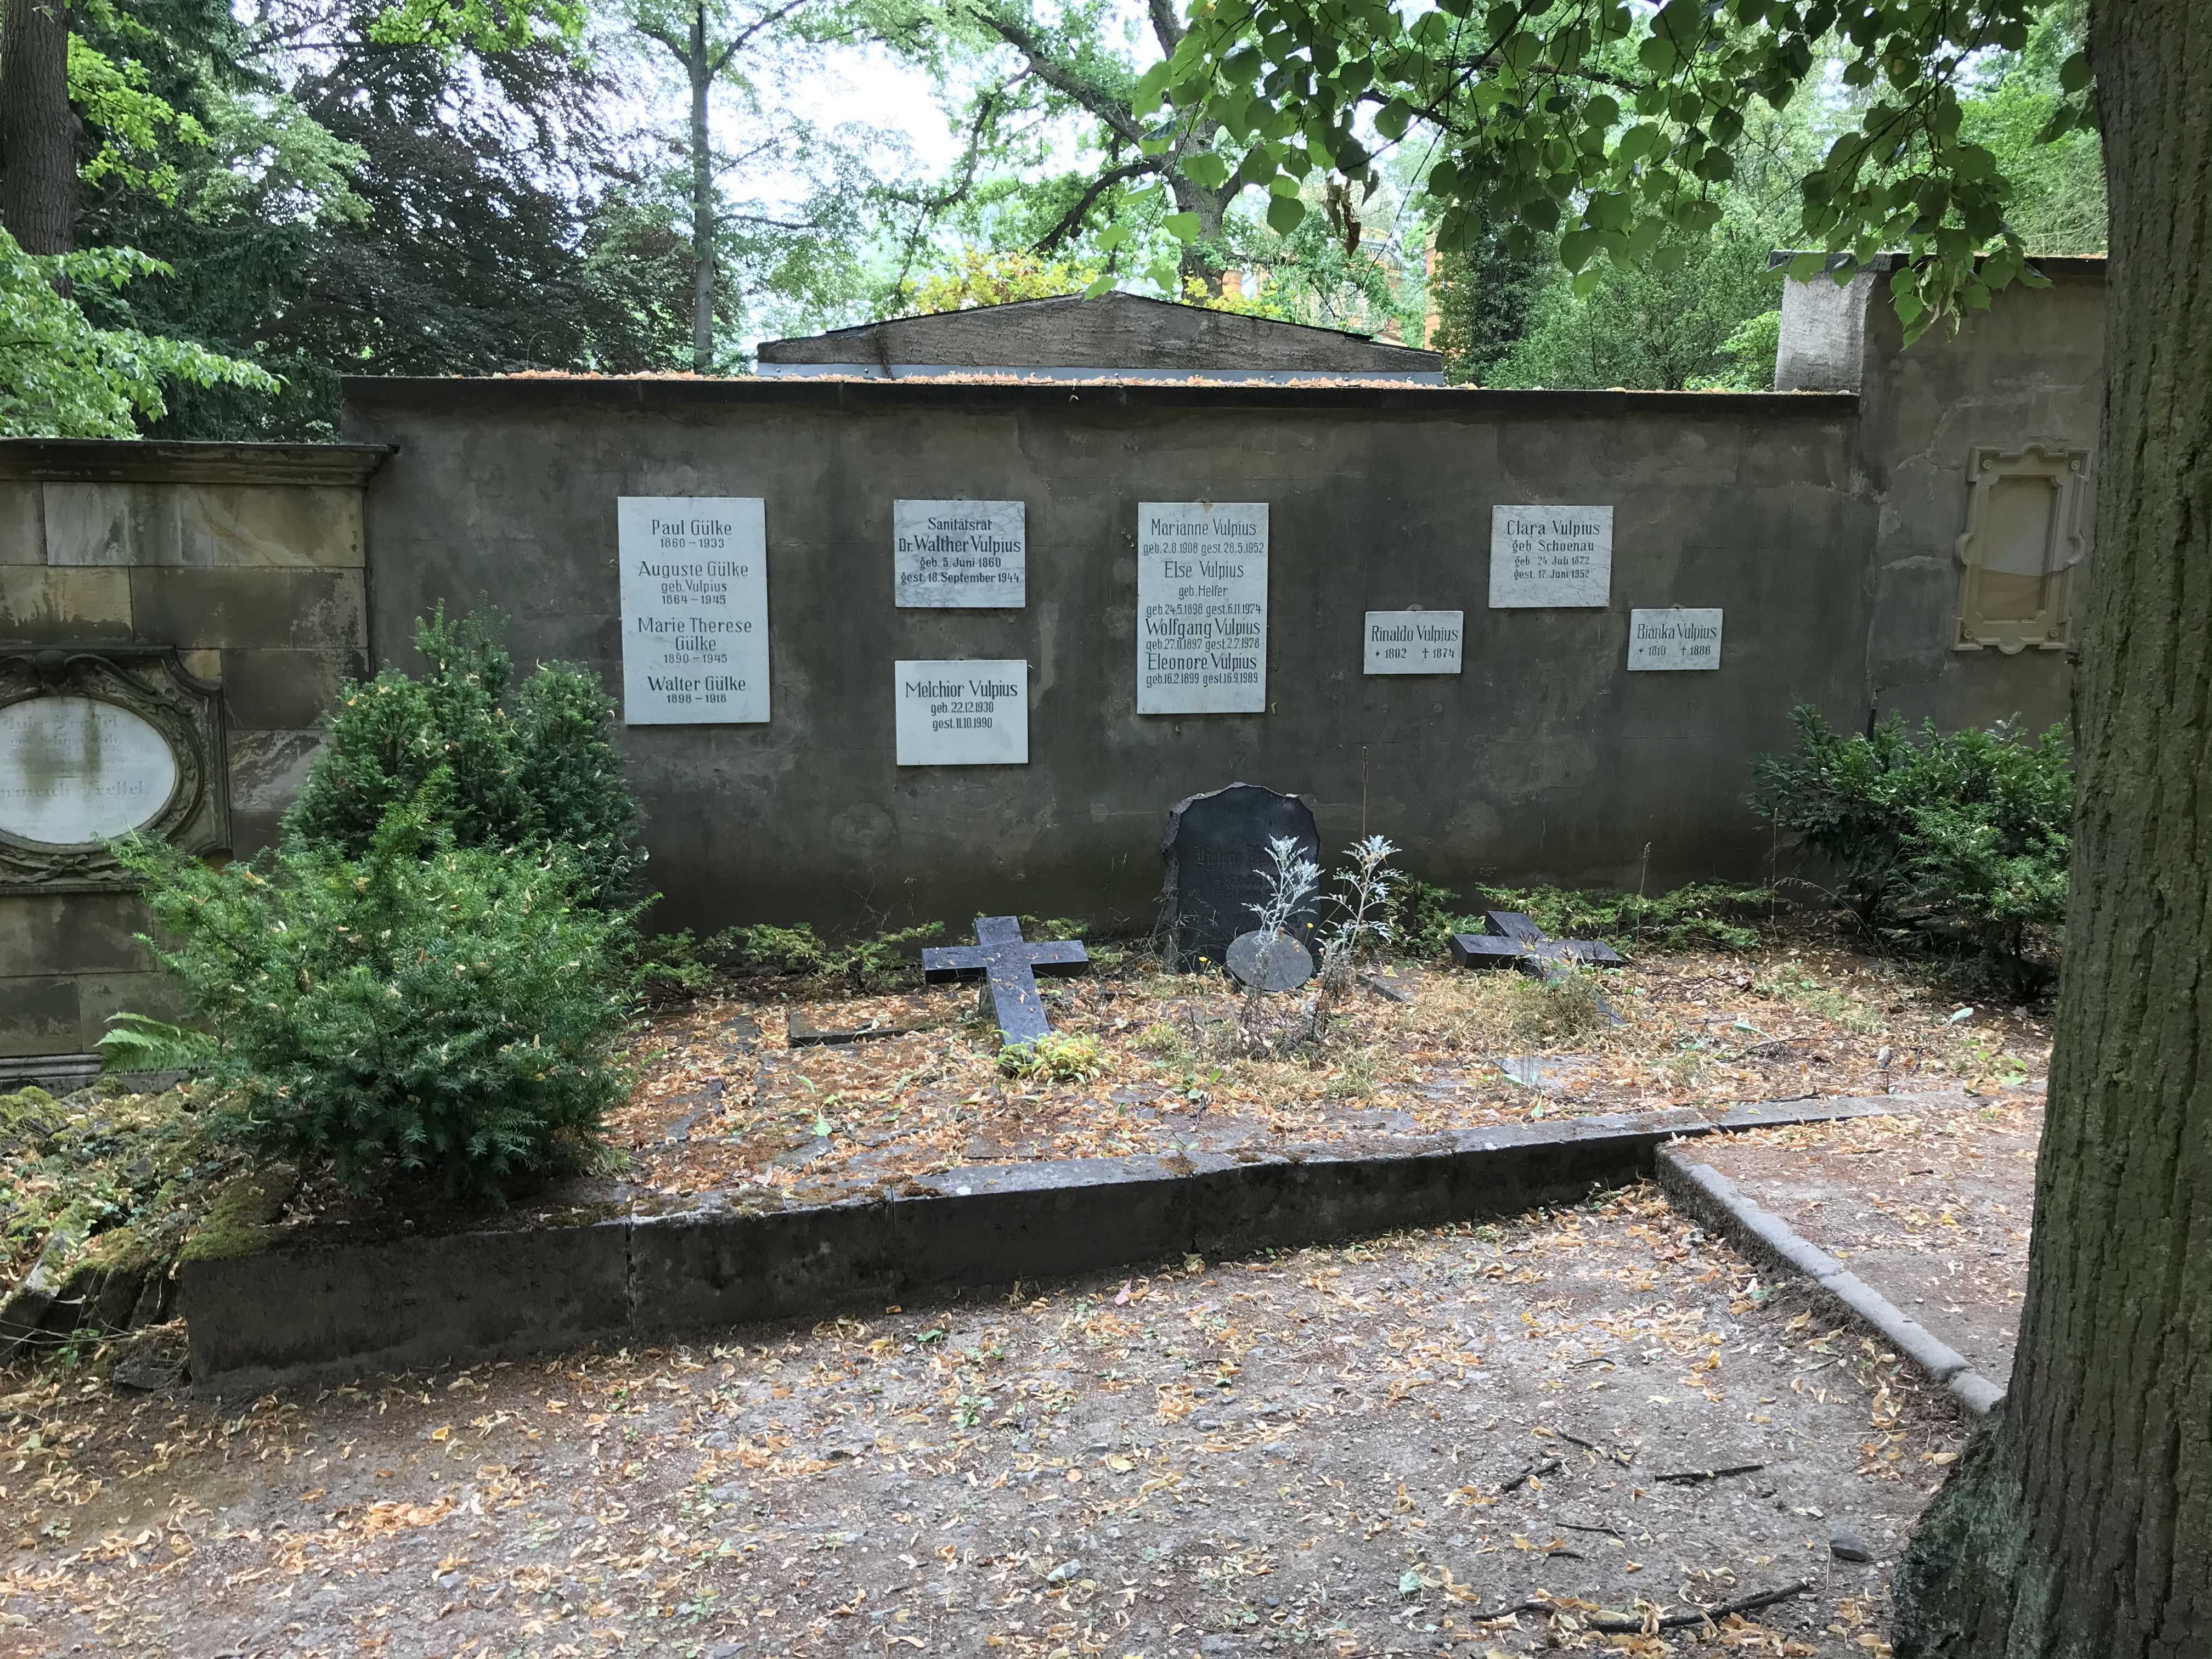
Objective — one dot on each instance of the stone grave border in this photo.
(338, 1303)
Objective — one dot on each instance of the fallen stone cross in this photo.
(1008, 964)
(1510, 940)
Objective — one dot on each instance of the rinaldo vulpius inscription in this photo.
(960, 555)
(694, 608)
(962, 713)
(1202, 608)
(1550, 556)
(1414, 641)
(1673, 639)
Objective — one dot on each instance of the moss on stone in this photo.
(242, 1219)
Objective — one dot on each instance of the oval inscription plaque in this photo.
(75, 770)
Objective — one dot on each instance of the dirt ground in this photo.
(1930, 1207)
(1596, 1416)
(724, 1102)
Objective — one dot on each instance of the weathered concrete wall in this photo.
(1544, 760)
(249, 560)
(2029, 371)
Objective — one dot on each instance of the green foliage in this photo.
(1554, 1008)
(62, 375)
(1962, 837)
(1055, 1057)
(533, 765)
(1423, 918)
(134, 1042)
(1482, 296)
(678, 965)
(416, 1006)
(1706, 915)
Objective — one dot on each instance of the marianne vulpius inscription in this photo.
(98, 742)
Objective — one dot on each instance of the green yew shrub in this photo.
(533, 765)
(1960, 838)
(414, 1005)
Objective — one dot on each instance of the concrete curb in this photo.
(1712, 1198)
(340, 1302)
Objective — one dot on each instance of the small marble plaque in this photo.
(959, 555)
(962, 712)
(1201, 607)
(1673, 639)
(694, 608)
(1550, 557)
(76, 771)
(1414, 641)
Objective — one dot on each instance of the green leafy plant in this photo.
(421, 1006)
(1703, 915)
(1425, 916)
(135, 1042)
(1055, 1057)
(533, 765)
(1961, 838)
(678, 965)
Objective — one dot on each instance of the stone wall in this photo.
(247, 559)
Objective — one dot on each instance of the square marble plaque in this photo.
(959, 555)
(694, 608)
(1550, 557)
(1414, 641)
(962, 712)
(1201, 607)
(1673, 639)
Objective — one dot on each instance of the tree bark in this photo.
(699, 64)
(2080, 1522)
(38, 131)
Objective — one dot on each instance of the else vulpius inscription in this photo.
(1202, 608)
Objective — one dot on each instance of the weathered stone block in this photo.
(269, 527)
(111, 523)
(22, 524)
(267, 768)
(284, 690)
(250, 607)
(44, 605)
(71, 932)
(39, 1016)
(100, 995)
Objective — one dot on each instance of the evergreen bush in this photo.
(1960, 838)
(417, 1005)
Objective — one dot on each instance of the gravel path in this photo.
(1375, 1450)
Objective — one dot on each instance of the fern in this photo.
(133, 1043)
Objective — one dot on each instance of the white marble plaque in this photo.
(74, 771)
(1673, 639)
(962, 712)
(959, 555)
(1550, 556)
(1201, 607)
(1414, 641)
(694, 608)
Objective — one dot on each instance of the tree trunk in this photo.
(2081, 1524)
(38, 132)
(700, 65)
(1202, 259)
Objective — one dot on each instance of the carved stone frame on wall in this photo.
(152, 682)
(2018, 554)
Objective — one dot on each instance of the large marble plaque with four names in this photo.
(694, 608)
(1201, 607)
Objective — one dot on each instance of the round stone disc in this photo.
(1284, 965)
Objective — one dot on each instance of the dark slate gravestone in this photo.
(1283, 964)
(1216, 849)
(1509, 940)
(1008, 964)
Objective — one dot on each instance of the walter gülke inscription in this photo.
(1202, 608)
(960, 555)
(694, 608)
(1414, 641)
(1550, 557)
(962, 712)
(1673, 639)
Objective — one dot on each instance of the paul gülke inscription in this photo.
(74, 771)
(694, 610)
(1673, 639)
(1201, 607)
(1414, 641)
(1550, 557)
(960, 555)
(962, 713)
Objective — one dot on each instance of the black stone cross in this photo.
(1510, 940)
(1009, 963)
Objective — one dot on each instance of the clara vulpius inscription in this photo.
(694, 608)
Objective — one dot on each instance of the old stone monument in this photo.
(1216, 849)
(1008, 965)
(1510, 940)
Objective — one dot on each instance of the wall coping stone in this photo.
(126, 460)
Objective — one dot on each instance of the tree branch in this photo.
(1071, 220)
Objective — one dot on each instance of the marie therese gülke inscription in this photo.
(694, 608)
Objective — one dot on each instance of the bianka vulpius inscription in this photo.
(1550, 557)
(1673, 639)
(962, 712)
(74, 771)
(960, 555)
(1414, 641)
(1202, 608)
(694, 608)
